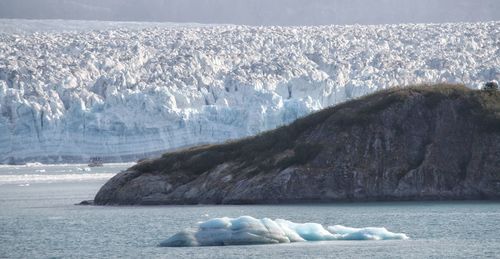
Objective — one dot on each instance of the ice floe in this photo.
(247, 230)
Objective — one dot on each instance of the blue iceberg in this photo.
(247, 230)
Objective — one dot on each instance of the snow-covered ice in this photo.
(127, 92)
(247, 230)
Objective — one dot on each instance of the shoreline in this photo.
(311, 203)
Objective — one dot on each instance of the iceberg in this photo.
(246, 230)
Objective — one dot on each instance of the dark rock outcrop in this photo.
(417, 143)
(86, 202)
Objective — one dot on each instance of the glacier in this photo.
(246, 230)
(126, 91)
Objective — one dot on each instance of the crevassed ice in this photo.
(247, 230)
(123, 93)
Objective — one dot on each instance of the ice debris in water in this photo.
(247, 230)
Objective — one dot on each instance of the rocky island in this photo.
(439, 142)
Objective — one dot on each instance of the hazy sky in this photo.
(257, 12)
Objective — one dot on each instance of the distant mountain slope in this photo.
(124, 93)
(419, 143)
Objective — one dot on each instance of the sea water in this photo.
(38, 219)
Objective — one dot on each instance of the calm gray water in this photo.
(38, 220)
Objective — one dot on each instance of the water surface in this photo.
(38, 220)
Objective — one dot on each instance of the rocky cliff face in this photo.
(415, 143)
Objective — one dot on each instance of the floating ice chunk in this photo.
(370, 233)
(215, 223)
(247, 230)
(183, 238)
(306, 231)
(50, 178)
(34, 164)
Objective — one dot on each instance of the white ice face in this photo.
(123, 93)
(247, 230)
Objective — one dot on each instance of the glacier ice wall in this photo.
(124, 93)
(246, 230)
